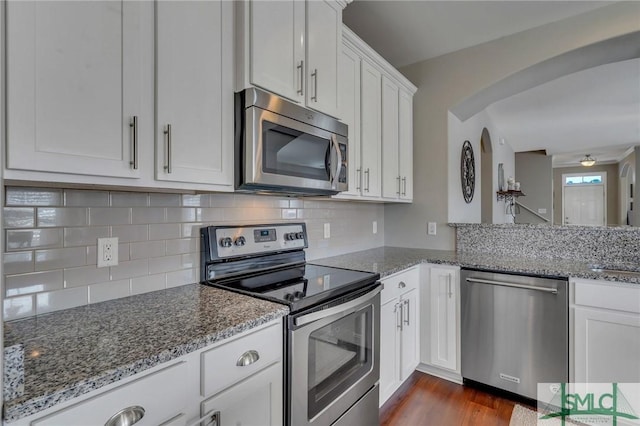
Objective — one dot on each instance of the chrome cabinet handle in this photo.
(127, 416)
(401, 284)
(358, 178)
(515, 285)
(450, 291)
(300, 68)
(366, 173)
(248, 358)
(406, 302)
(404, 185)
(134, 142)
(314, 75)
(336, 176)
(397, 309)
(167, 133)
(212, 418)
(398, 191)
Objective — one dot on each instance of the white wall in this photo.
(448, 80)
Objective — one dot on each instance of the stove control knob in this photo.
(298, 295)
(289, 297)
(226, 242)
(290, 236)
(299, 236)
(240, 241)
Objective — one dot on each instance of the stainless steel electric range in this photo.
(332, 332)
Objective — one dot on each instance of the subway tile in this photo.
(289, 214)
(130, 269)
(198, 200)
(62, 216)
(86, 198)
(164, 200)
(130, 233)
(20, 284)
(60, 258)
(222, 200)
(183, 214)
(21, 196)
(142, 215)
(61, 299)
(85, 275)
(178, 278)
(124, 252)
(190, 260)
(18, 307)
(148, 283)
(166, 231)
(165, 264)
(18, 217)
(92, 255)
(191, 230)
(24, 239)
(109, 216)
(295, 203)
(185, 245)
(129, 199)
(84, 236)
(109, 290)
(18, 262)
(212, 214)
(147, 249)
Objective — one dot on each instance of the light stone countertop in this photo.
(389, 260)
(68, 353)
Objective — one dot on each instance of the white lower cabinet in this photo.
(441, 308)
(605, 332)
(238, 382)
(399, 330)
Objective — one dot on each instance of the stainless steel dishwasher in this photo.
(514, 331)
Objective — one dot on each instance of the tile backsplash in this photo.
(51, 239)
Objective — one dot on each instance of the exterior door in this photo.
(584, 205)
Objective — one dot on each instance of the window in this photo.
(583, 179)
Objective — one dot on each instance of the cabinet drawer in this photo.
(160, 394)
(399, 283)
(219, 365)
(608, 295)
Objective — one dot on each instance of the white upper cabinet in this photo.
(194, 95)
(370, 136)
(292, 48)
(391, 180)
(405, 144)
(74, 79)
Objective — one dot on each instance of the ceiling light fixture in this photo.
(588, 161)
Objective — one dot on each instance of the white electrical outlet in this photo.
(375, 226)
(431, 228)
(107, 252)
(327, 230)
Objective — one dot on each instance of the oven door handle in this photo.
(345, 308)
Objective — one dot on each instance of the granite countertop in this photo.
(68, 353)
(389, 260)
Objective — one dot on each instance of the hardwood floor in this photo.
(428, 400)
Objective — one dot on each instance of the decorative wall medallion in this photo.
(467, 171)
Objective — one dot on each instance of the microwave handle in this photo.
(336, 174)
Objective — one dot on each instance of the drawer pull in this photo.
(126, 417)
(248, 358)
(401, 284)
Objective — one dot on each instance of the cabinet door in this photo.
(74, 84)
(405, 144)
(410, 352)
(194, 92)
(254, 401)
(391, 183)
(389, 349)
(370, 102)
(443, 321)
(277, 47)
(349, 96)
(607, 346)
(324, 40)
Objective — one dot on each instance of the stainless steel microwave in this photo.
(282, 147)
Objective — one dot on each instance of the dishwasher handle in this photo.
(514, 285)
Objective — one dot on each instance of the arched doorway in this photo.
(627, 179)
(486, 177)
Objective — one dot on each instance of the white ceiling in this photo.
(594, 111)
(405, 32)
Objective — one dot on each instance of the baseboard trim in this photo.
(451, 376)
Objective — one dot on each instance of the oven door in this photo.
(282, 153)
(333, 360)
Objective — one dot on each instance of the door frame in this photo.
(603, 184)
